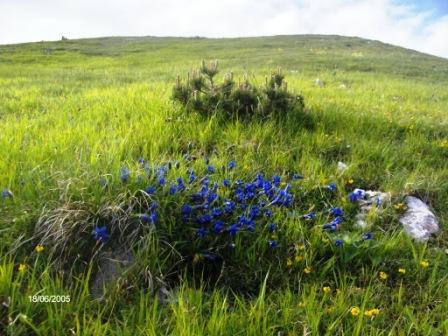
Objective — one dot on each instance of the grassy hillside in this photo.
(73, 113)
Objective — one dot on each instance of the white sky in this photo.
(384, 20)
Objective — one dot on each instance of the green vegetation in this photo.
(201, 93)
(73, 113)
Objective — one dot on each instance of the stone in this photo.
(419, 222)
(112, 264)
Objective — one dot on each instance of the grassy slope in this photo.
(72, 111)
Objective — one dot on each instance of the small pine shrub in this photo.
(201, 93)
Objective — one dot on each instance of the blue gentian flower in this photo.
(149, 218)
(272, 227)
(7, 193)
(367, 236)
(229, 206)
(162, 181)
(150, 190)
(356, 195)
(186, 210)
(206, 218)
(332, 186)
(210, 169)
(217, 212)
(141, 161)
(191, 178)
(202, 232)
(100, 234)
(180, 184)
(268, 213)
(124, 174)
(339, 242)
(173, 189)
(218, 226)
(153, 206)
(233, 229)
(153, 218)
(309, 216)
(231, 164)
(276, 180)
(297, 176)
(226, 182)
(336, 211)
(273, 243)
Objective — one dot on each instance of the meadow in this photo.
(74, 113)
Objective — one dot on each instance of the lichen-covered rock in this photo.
(419, 221)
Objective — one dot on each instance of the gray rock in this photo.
(419, 222)
(112, 264)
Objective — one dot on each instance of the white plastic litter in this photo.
(342, 166)
(418, 220)
(370, 199)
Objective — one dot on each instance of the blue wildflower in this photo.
(210, 169)
(202, 232)
(180, 184)
(173, 189)
(226, 182)
(100, 234)
(218, 226)
(7, 193)
(356, 195)
(332, 186)
(162, 181)
(336, 211)
(276, 180)
(309, 216)
(186, 209)
(367, 236)
(153, 206)
(268, 213)
(217, 212)
(231, 164)
(191, 178)
(297, 176)
(229, 206)
(148, 218)
(233, 229)
(141, 161)
(124, 174)
(339, 242)
(273, 243)
(204, 219)
(272, 227)
(150, 190)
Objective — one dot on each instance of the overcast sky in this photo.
(415, 24)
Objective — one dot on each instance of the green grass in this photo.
(74, 111)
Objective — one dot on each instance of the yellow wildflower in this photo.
(39, 248)
(350, 181)
(298, 258)
(289, 262)
(402, 270)
(301, 247)
(22, 268)
(424, 263)
(355, 311)
(383, 275)
(307, 270)
(372, 312)
(326, 289)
